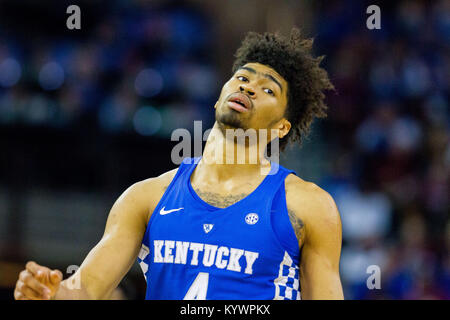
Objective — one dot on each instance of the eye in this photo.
(269, 91)
(242, 78)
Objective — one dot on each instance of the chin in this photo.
(229, 120)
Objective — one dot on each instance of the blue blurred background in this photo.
(86, 113)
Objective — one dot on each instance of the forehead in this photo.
(265, 69)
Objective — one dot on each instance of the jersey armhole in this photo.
(180, 170)
(282, 226)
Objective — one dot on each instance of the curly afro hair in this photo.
(292, 59)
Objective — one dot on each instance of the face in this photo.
(255, 97)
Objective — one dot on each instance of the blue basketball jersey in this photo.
(193, 250)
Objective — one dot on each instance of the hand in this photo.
(37, 283)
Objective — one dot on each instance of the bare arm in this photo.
(320, 232)
(109, 261)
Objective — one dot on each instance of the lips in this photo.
(239, 102)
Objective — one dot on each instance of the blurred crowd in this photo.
(150, 69)
(388, 132)
(139, 69)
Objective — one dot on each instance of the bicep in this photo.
(319, 267)
(109, 261)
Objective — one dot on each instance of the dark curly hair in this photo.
(292, 59)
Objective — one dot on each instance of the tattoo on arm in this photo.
(218, 200)
(298, 225)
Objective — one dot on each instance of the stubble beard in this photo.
(229, 119)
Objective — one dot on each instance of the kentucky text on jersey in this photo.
(207, 254)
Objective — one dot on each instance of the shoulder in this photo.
(159, 183)
(315, 206)
(147, 193)
(306, 193)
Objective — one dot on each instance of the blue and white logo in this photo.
(207, 227)
(251, 218)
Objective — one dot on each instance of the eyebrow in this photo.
(266, 75)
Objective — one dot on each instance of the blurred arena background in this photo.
(86, 113)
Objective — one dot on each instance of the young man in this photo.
(219, 229)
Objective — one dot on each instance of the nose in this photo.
(247, 90)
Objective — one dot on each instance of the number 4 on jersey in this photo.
(198, 288)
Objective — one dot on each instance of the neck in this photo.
(228, 155)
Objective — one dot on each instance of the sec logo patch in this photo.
(251, 218)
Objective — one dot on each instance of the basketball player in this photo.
(210, 230)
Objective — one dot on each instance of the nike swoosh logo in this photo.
(163, 212)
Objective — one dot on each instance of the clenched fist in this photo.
(37, 283)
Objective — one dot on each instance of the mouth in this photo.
(239, 102)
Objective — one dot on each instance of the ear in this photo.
(283, 128)
(215, 106)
